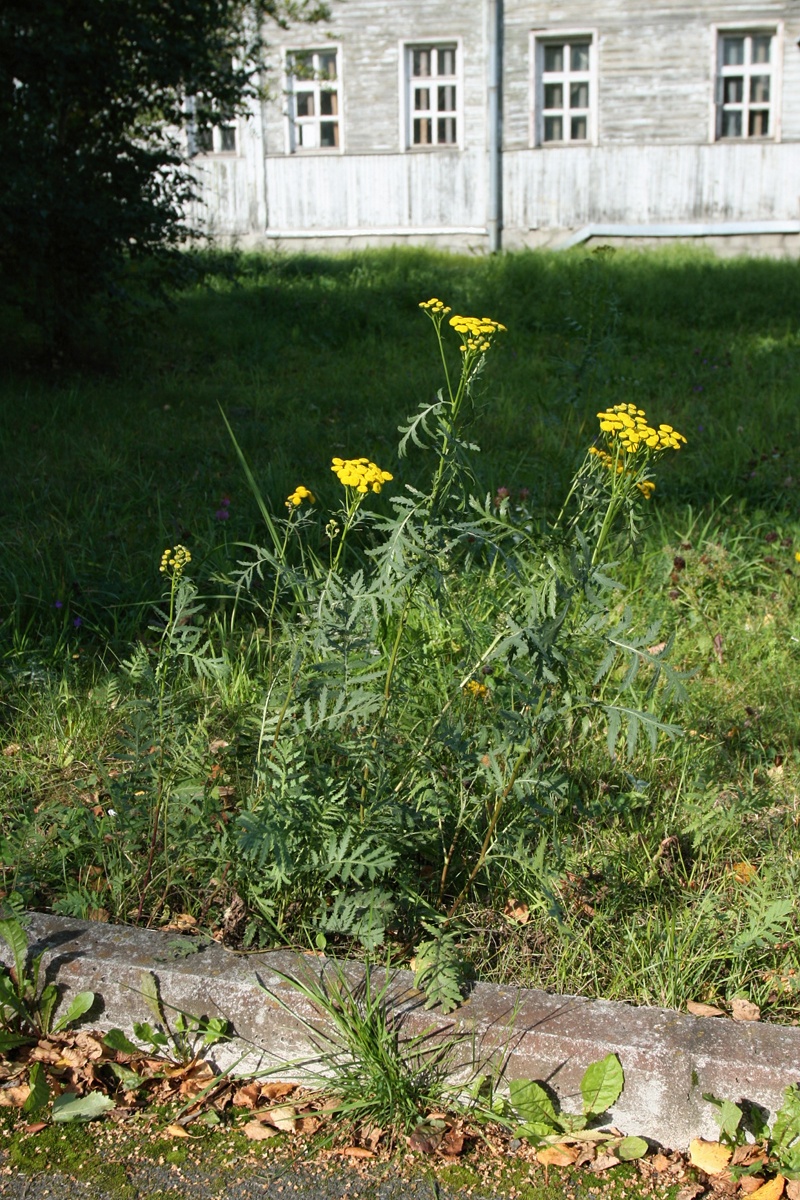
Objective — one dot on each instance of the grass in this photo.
(661, 879)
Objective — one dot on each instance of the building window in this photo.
(433, 90)
(564, 90)
(215, 139)
(313, 88)
(746, 85)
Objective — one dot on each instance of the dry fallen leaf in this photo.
(14, 1097)
(770, 1191)
(257, 1132)
(425, 1138)
(11, 749)
(452, 1143)
(247, 1096)
(660, 1162)
(711, 1157)
(690, 1191)
(743, 872)
(750, 1183)
(276, 1091)
(356, 1152)
(747, 1154)
(35, 1127)
(703, 1010)
(793, 1189)
(517, 912)
(175, 1131)
(557, 1156)
(283, 1117)
(603, 1162)
(745, 1010)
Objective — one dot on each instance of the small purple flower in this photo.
(222, 514)
(698, 387)
(58, 604)
(77, 622)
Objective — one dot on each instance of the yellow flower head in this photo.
(173, 561)
(476, 332)
(298, 496)
(479, 690)
(434, 307)
(360, 473)
(627, 427)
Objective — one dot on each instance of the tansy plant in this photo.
(429, 677)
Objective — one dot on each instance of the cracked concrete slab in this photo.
(669, 1058)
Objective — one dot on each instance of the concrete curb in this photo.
(669, 1058)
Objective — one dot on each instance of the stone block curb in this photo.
(669, 1058)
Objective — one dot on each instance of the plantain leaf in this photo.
(40, 1089)
(601, 1085)
(79, 1006)
(630, 1148)
(533, 1104)
(115, 1039)
(69, 1107)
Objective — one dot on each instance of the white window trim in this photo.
(775, 29)
(406, 115)
(194, 148)
(313, 48)
(538, 39)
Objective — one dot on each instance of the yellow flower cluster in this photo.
(477, 332)
(360, 473)
(298, 496)
(646, 486)
(629, 424)
(480, 690)
(173, 561)
(435, 307)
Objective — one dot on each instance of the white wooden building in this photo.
(519, 123)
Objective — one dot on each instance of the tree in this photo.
(93, 109)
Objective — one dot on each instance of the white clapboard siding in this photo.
(363, 191)
(650, 184)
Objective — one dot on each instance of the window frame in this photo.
(406, 50)
(289, 54)
(539, 39)
(748, 29)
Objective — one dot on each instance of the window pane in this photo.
(205, 141)
(554, 95)
(579, 95)
(731, 124)
(228, 138)
(759, 123)
(329, 104)
(554, 58)
(421, 63)
(305, 104)
(579, 57)
(579, 129)
(447, 62)
(761, 49)
(422, 131)
(329, 133)
(759, 89)
(553, 129)
(303, 66)
(732, 89)
(307, 136)
(732, 51)
(422, 99)
(327, 66)
(446, 131)
(447, 98)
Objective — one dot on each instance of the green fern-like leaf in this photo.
(439, 969)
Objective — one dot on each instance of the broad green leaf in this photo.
(40, 1089)
(630, 1148)
(10, 1041)
(115, 1039)
(572, 1122)
(785, 1140)
(126, 1076)
(79, 1006)
(152, 997)
(16, 939)
(533, 1104)
(69, 1107)
(145, 1032)
(728, 1115)
(601, 1085)
(47, 1004)
(533, 1131)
